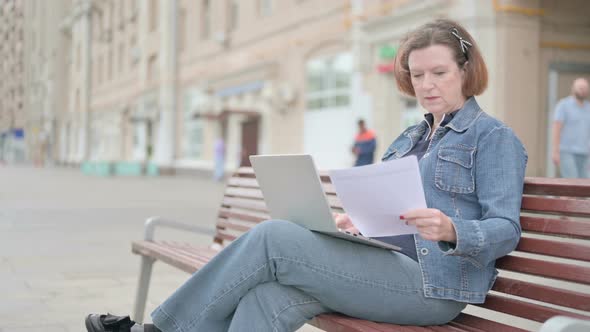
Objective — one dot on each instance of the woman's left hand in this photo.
(432, 224)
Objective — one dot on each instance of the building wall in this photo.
(47, 55)
(12, 117)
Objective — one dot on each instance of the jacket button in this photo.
(424, 251)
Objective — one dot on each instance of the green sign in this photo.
(387, 52)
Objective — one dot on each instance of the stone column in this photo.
(165, 149)
(86, 92)
(233, 141)
(518, 82)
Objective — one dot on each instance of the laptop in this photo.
(293, 191)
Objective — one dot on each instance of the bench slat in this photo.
(561, 271)
(223, 224)
(330, 322)
(523, 309)
(244, 172)
(557, 187)
(242, 182)
(226, 213)
(250, 193)
(482, 324)
(568, 207)
(225, 236)
(549, 226)
(252, 183)
(244, 192)
(148, 249)
(242, 203)
(548, 294)
(445, 328)
(199, 255)
(463, 327)
(554, 248)
(340, 323)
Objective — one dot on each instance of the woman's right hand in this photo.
(344, 223)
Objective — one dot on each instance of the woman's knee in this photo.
(277, 229)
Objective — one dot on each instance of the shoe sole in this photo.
(89, 326)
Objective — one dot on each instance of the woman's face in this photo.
(437, 79)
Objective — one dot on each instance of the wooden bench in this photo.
(555, 246)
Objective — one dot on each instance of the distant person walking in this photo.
(219, 159)
(365, 143)
(571, 132)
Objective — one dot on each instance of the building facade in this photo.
(46, 53)
(12, 85)
(159, 81)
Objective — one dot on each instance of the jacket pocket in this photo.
(454, 169)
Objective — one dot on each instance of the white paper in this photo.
(374, 196)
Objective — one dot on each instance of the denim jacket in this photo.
(473, 171)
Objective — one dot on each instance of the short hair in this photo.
(439, 32)
(361, 122)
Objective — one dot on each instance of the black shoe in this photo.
(108, 323)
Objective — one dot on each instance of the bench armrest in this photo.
(153, 222)
(565, 324)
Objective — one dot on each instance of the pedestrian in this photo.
(279, 274)
(364, 146)
(219, 159)
(571, 132)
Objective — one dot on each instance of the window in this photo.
(192, 145)
(110, 61)
(265, 7)
(99, 26)
(77, 101)
(152, 74)
(133, 52)
(99, 70)
(205, 19)
(121, 57)
(78, 57)
(328, 82)
(153, 14)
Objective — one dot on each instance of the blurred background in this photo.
(158, 87)
(149, 86)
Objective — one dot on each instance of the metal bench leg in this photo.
(143, 285)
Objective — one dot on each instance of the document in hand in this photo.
(374, 196)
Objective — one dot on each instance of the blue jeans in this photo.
(573, 165)
(279, 275)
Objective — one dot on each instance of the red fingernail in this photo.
(402, 217)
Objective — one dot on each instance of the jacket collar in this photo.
(466, 116)
(462, 120)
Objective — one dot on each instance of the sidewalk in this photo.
(65, 242)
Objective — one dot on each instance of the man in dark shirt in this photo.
(364, 145)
